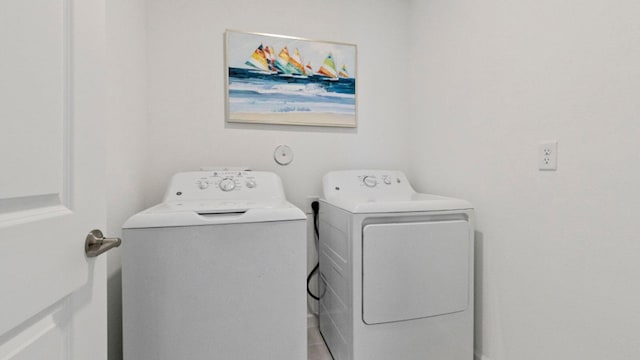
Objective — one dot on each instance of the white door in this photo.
(52, 297)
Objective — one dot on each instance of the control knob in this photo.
(370, 181)
(203, 184)
(227, 184)
(251, 183)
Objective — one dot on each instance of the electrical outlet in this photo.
(307, 203)
(548, 155)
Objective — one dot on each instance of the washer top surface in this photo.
(219, 197)
(381, 191)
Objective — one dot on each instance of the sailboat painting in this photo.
(276, 79)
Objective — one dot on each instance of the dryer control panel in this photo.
(225, 185)
(385, 178)
(369, 185)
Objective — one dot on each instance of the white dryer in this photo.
(397, 270)
(216, 271)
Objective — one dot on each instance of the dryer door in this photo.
(415, 270)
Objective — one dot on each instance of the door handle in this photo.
(95, 243)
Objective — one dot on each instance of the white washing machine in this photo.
(216, 271)
(397, 270)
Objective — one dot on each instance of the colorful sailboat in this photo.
(328, 68)
(296, 62)
(258, 60)
(343, 73)
(283, 63)
(270, 54)
(308, 69)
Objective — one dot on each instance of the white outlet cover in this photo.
(283, 155)
(548, 155)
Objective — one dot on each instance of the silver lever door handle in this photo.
(95, 243)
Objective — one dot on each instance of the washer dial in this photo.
(370, 181)
(227, 184)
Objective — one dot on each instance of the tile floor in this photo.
(316, 348)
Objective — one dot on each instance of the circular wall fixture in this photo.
(283, 155)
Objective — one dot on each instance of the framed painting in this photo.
(274, 79)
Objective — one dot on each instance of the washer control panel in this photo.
(224, 184)
(226, 180)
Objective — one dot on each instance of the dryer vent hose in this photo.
(315, 206)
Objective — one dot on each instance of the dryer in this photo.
(216, 271)
(396, 270)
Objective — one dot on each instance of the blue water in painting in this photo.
(253, 91)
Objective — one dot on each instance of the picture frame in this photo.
(278, 79)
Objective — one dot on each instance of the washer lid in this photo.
(378, 191)
(195, 213)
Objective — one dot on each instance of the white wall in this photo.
(126, 139)
(558, 252)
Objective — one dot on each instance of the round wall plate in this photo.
(283, 155)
